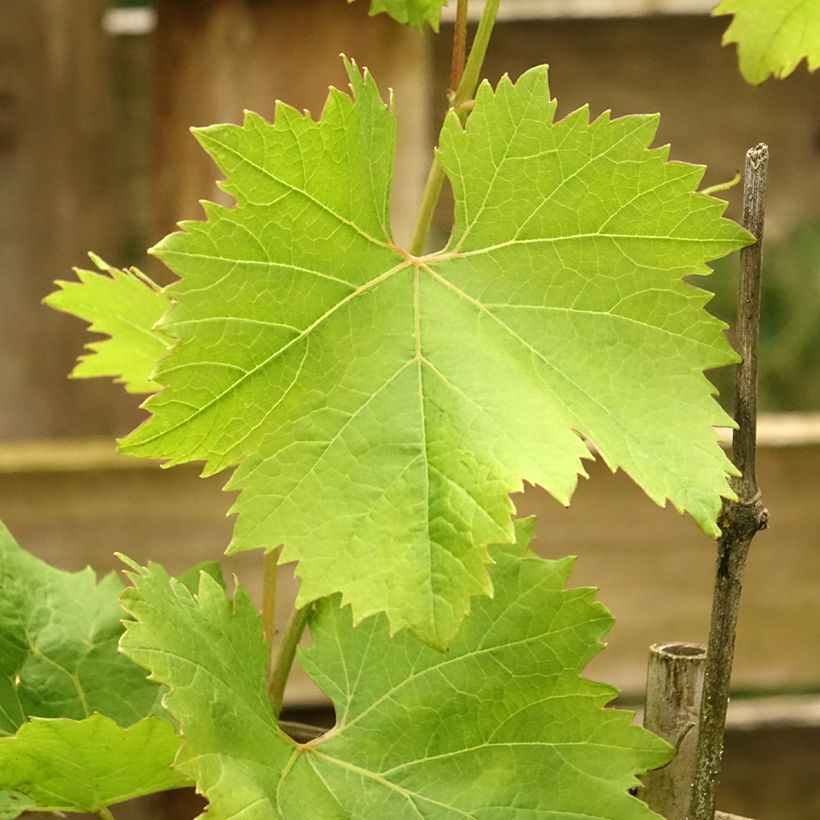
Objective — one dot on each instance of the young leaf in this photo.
(68, 699)
(498, 727)
(773, 36)
(122, 304)
(62, 765)
(412, 12)
(382, 406)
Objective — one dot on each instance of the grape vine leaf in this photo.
(499, 726)
(64, 765)
(381, 406)
(13, 804)
(773, 36)
(124, 305)
(63, 685)
(58, 645)
(410, 12)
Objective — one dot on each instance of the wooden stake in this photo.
(741, 519)
(674, 682)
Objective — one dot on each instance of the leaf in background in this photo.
(499, 726)
(410, 12)
(773, 36)
(382, 406)
(73, 711)
(190, 578)
(13, 804)
(58, 645)
(124, 305)
(63, 765)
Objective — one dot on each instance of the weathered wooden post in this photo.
(57, 199)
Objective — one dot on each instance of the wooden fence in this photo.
(95, 154)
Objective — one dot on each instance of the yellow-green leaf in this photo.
(381, 406)
(124, 305)
(63, 765)
(773, 36)
(410, 12)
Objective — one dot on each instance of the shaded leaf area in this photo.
(123, 305)
(13, 804)
(80, 724)
(500, 726)
(400, 399)
(773, 36)
(58, 645)
(62, 765)
(410, 12)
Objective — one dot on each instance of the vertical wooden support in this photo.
(674, 683)
(741, 518)
(214, 59)
(58, 200)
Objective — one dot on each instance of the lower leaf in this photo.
(13, 804)
(500, 726)
(63, 765)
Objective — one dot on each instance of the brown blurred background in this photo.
(95, 154)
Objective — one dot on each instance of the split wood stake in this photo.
(740, 519)
(674, 683)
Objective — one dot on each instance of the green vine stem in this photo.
(104, 814)
(459, 45)
(458, 103)
(269, 575)
(284, 657)
(740, 520)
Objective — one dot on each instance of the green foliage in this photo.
(73, 711)
(773, 36)
(411, 12)
(124, 305)
(504, 714)
(400, 399)
(13, 804)
(62, 765)
(58, 645)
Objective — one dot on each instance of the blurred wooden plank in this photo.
(68, 455)
(561, 9)
(654, 569)
(655, 572)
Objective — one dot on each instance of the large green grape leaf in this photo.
(382, 406)
(73, 711)
(500, 726)
(63, 765)
(124, 305)
(773, 36)
(411, 12)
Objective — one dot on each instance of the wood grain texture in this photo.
(57, 200)
(674, 682)
(215, 59)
